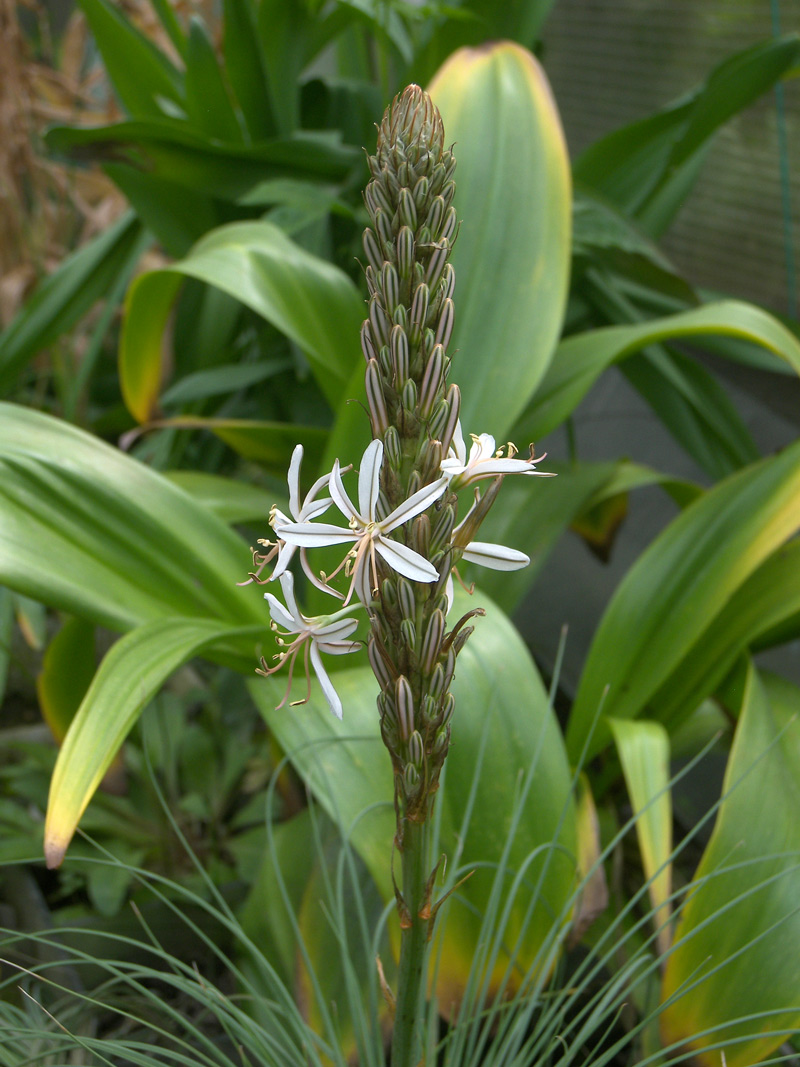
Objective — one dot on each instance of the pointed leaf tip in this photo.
(54, 851)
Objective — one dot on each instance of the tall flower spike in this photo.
(325, 633)
(369, 533)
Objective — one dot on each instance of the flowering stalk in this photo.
(404, 538)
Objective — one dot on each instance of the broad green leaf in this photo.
(648, 167)
(643, 750)
(208, 105)
(6, 634)
(678, 585)
(230, 500)
(142, 76)
(513, 250)
(503, 727)
(593, 895)
(219, 381)
(67, 670)
(735, 952)
(69, 292)
(132, 672)
(580, 360)
(282, 35)
(765, 607)
(88, 529)
(305, 297)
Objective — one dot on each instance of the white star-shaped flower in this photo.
(368, 533)
(316, 634)
(311, 508)
(484, 460)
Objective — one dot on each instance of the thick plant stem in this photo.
(415, 918)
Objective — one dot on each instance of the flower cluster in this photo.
(403, 539)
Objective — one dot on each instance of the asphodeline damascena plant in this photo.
(404, 537)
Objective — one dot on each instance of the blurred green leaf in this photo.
(149, 654)
(87, 529)
(145, 81)
(62, 298)
(208, 105)
(580, 360)
(643, 750)
(308, 299)
(512, 255)
(219, 381)
(230, 500)
(245, 64)
(6, 634)
(648, 167)
(503, 727)
(67, 670)
(731, 980)
(678, 586)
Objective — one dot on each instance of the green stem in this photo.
(409, 1009)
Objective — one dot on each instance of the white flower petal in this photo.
(334, 631)
(495, 557)
(280, 615)
(294, 481)
(369, 480)
(312, 509)
(416, 503)
(457, 446)
(287, 588)
(406, 561)
(314, 534)
(334, 703)
(339, 494)
(284, 559)
(338, 648)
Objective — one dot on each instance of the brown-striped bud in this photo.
(440, 743)
(429, 460)
(419, 313)
(398, 345)
(448, 709)
(438, 178)
(414, 483)
(454, 405)
(411, 780)
(390, 284)
(406, 251)
(443, 530)
(439, 419)
(436, 683)
(431, 644)
(386, 364)
(382, 506)
(367, 347)
(369, 277)
(378, 664)
(461, 638)
(449, 226)
(429, 710)
(408, 396)
(388, 594)
(449, 667)
(407, 209)
(372, 250)
(421, 534)
(444, 327)
(392, 450)
(408, 632)
(421, 192)
(416, 750)
(431, 387)
(400, 317)
(437, 263)
(375, 401)
(405, 598)
(448, 282)
(378, 322)
(436, 216)
(404, 704)
(383, 228)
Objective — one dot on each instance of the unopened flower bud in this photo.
(454, 404)
(421, 535)
(382, 506)
(416, 750)
(375, 401)
(411, 779)
(389, 593)
(387, 709)
(430, 459)
(406, 251)
(398, 345)
(443, 530)
(461, 638)
(448, 708)
(405, 598)
(439, 419)
(432, 642)
(379, 323)
(440, 743)
(407, 209)
(449, 225)
(437, 262)
(444, 327)
(391, 448)
(435, 216)
(429, 710)
(419, 312)
(414, 483)
(408, 396)
(448, 282)
(391, 287)
(372, 250)
(367, 347)
(383, 228)
(431, 387)
(386, 363)
(449, 667)
(408, 632)
(436, 684)
(404, 705)
(421, 192)
(378, 664)
(400, 317)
